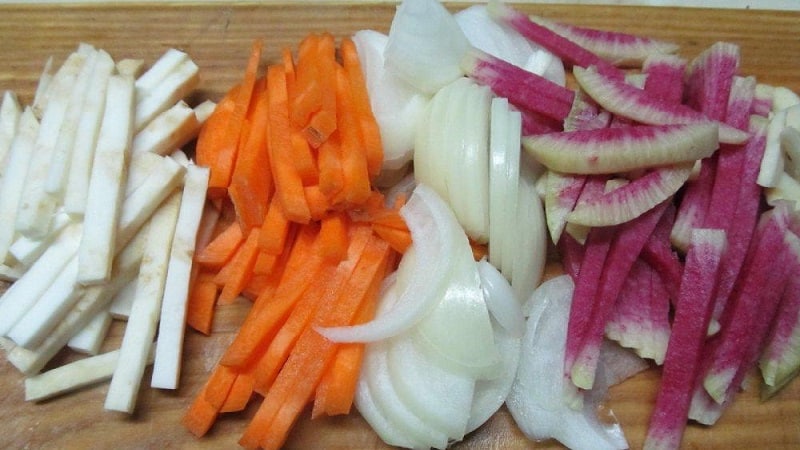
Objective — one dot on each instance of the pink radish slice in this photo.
(658, 253)
(632, 200)
(693, 207)
(664, 76)
(620, 49)
(614, 150)
(684, 350)
(625, 100)
(709, 78)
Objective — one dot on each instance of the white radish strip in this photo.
(177, 85)
(13, 182)
(130, 67)
(36, 206)
(423, 272)
(11, 273)
(167, 367)
(155, 75)
(10, 112)
(40, 96)
(58, 171)
(109, 172)
(90, 338)
(139, 169)
(772, 162)
(120, 307)
(51, 307)
(80, 168)
(169, 130)
(204, 110)
(70, 377)
(21, 296)
(26, 250)
(143, 321)
(180, 157)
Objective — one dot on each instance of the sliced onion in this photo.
(539, 399)
(377, 419)
(530, 237)
(423, 273)
(500, 299)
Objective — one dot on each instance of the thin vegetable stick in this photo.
(204, 110)
(13, 182)
(69, 377)
(329, 161)
(202, 298)
(274, 229)
(175, 86)
(10, 112)
(35, 208)
(90, 338)
(167, 366)
(200, 416)
(291, 73)
(234, 276)
(219, 384)
(131, 67)
(26, 250)
(143, 321)
(221, 248)
(288, 185)
(318, 203)
(40, 96)
(333, 236)
(323, 122)
(370, 132)
(240, 393)
(227, 153)
(400, 240)
(159, 71)
(80, 168)
(120, 307)
(103, 204)
(169, 130)
(304, 159)
(213, 135)
(305, 93)
(355, 173)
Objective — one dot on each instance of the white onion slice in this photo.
(374, 415)
(530, 237)
(425, 45)
(501, 300)
(423, 273)
(504, 149)
(538, 399)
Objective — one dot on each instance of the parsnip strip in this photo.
(90, 338)
(23, 294)
(167, 367)
(109, 171)
(169, 130)
(14, 181)
(143, 320)
(10, 112)
(36, 206)
(80, 169)
(177, 85)
(166, 64)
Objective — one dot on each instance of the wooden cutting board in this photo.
(218, 37)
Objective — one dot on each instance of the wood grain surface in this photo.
(218, 37)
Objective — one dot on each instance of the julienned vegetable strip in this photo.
(307, 239)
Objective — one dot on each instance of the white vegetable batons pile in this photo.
(96, 195)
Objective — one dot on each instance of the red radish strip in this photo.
(620, 49)
(664, 76)
(522, 88)
(749, 314)
(632, 200)
(537, 123)
(625, 100)
(570, 52)
(658, 253)
(694, 204)
(627, 243)
(709, 79)
(610, 150)
(684, 351)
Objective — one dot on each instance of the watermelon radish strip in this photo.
(569, 52)
(628, 241)
(750, 310)
(625, 100)
(571, 254)
(709, 79)
(664, 76)
(694, 203)
(684, 350)
(658, 253)
(620, 49)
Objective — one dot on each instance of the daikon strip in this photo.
(72, 376)
(169, 130)
(154, 76)
(167, 368)
(90, 338)
(180, 157)
(10, 112)
(14, 181)
(26, 250)
(109, 172)
(58, 172)
(23, 294)
(120, 307)
(177, 85)
(80, 168)
(131, 67)
(40, 96)
(143, 321)
(139, 169)
(204, 110)
(11, 273)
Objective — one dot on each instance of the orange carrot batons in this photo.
(355, 173)
(323, 122)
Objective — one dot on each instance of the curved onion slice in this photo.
(425, 45)
(504, 150)
(423, 273)
(539, 399)
(530, 237)
(397, 107)
(500, 299)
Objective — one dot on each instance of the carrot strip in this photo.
(219, 385)
(288, 184)
(237, 273)
(323, 122)
(268, 313)
(333, 236)
(304, 159)
(306, 93)
(240, 393)
(370, 132)
(212, 135)
(200, 309)
(221, 248)
(398, 239)
(329, 161)
(227, 154)
(318, 203)
(291, 74)
(312, 353)
(200, 416)
(274, 230)
(354, 159)
(251, 184)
